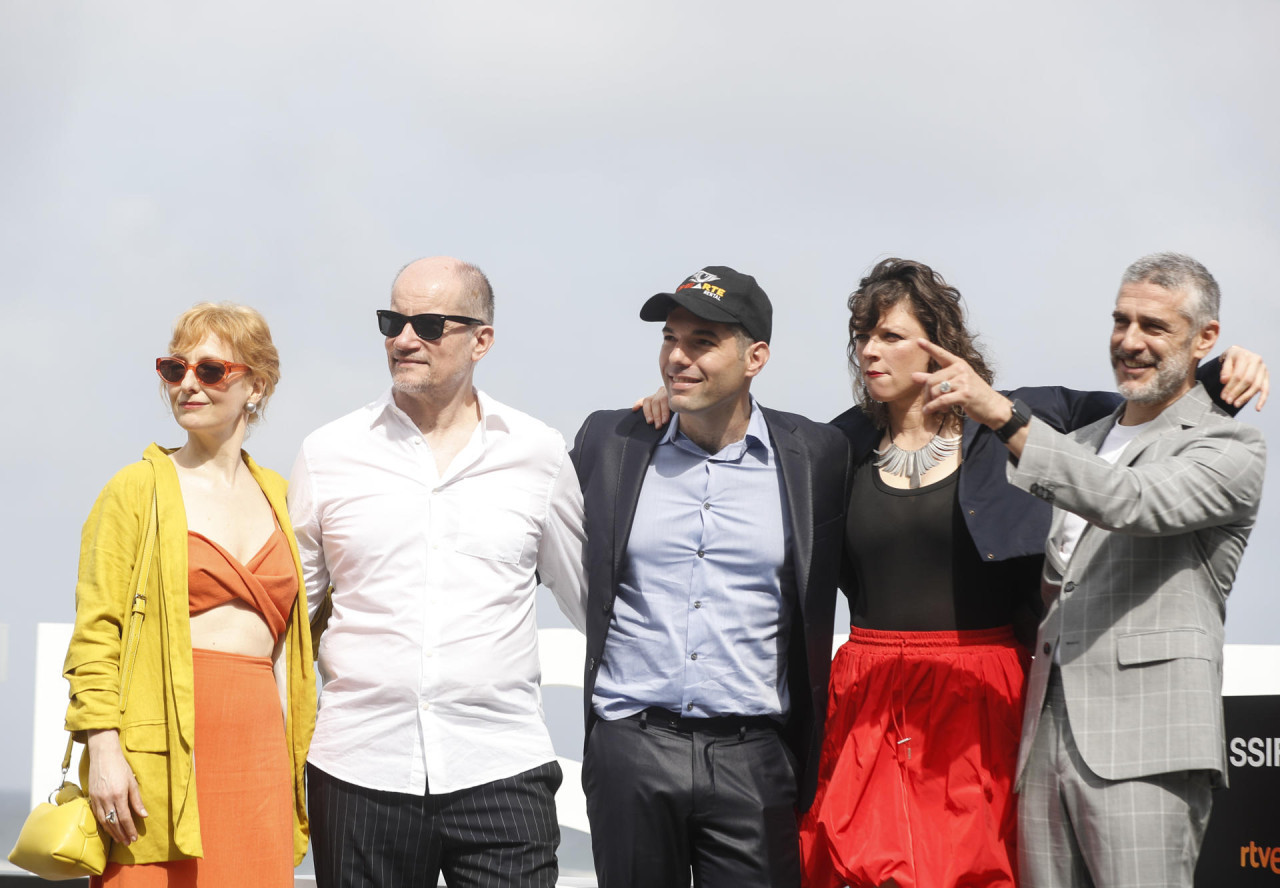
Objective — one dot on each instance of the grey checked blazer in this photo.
(1139, 621)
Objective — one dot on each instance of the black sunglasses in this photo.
(426, 326)
(209, 371)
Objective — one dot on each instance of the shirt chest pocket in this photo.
(494, 534)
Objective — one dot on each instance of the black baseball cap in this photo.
(717, 293)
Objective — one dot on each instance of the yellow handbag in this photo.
(61, 839)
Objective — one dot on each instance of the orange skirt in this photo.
(915, 782)
(243, 784)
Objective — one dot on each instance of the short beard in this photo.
(1171, 374)
(411, 388)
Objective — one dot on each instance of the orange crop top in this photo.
(269, 582)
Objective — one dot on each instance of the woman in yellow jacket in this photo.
(197, 694)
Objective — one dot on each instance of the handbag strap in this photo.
(138, 610)
(66, 758)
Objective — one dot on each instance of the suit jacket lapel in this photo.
(797, 481)
(638, 441)
(1182, 413)
(968, 433)
(1092, 437)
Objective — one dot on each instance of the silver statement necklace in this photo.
(914, 463)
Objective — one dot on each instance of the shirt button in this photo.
(688, 707)
(417, 440)
(1070, 587)
(706, 505)
(693, 656)
(971, 512)
(1046, 647)
(702, 554)
(991, 556)
(697, 604)
(425, 705)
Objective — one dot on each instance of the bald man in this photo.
(424, 521)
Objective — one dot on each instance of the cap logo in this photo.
(701, 280)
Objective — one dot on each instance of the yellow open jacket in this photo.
(157, 719)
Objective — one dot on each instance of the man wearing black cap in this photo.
(713, 548)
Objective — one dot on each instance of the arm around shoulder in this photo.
(1067, 409)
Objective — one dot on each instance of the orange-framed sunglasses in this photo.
(208, 372)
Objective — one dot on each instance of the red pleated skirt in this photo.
(915, 782)
(244, 787)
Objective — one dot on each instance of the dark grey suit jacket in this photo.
(611, 453)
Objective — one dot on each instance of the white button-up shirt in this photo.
(430, 657)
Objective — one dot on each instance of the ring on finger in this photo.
(944, 386)
(111, 816)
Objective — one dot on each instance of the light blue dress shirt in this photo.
(702, 617)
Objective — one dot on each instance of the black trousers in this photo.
(498, 835)
(668, 796)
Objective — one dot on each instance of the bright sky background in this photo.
(586, 155)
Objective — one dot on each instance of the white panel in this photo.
(49, 738)
(571, 804)
(1250, 670)
(562, 652)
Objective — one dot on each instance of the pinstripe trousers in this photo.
(1079, 830)
(502, 834)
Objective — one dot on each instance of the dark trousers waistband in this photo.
(725, 725)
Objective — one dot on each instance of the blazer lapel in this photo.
(969, 432)
(638, 441)
(1092, 437)
(797, 480)
(1182, 413)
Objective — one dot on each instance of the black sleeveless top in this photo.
(916, 567)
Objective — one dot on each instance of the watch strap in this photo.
(1021, 417)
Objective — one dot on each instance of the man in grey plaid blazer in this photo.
(1123, 738)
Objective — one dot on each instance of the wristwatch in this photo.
(1021, 416)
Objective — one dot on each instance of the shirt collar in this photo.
(756, 438)
(383, 407)
(492, 412)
